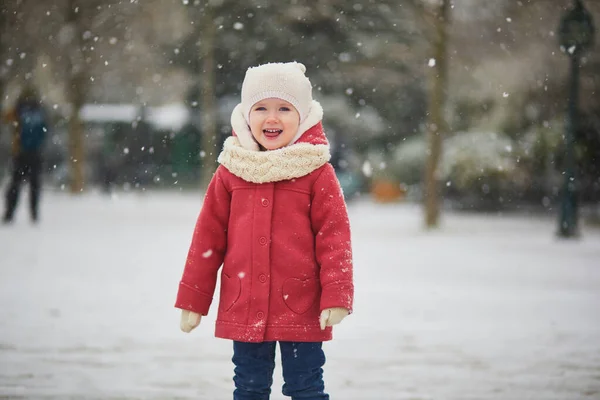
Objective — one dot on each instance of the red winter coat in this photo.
(277, 223)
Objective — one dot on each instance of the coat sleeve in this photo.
(207, 249)
(333, 248)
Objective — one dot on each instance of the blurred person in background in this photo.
(29, 121)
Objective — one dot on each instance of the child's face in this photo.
(274, 123)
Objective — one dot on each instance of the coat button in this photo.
(260, 315)
(262, 278)
(265, 202)
(262, 240)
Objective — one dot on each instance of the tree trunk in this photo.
(209, 107)
(3, 26)
(76, 131)
(437, 125)
(76, 95)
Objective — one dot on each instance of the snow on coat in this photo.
(277, 223)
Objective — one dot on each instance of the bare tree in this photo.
(76, 89)
(78, 35)
(3, 27)
(433, 18)
(209, 107)
(205, 39)
(436, 126)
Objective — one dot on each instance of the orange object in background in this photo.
(384, 191)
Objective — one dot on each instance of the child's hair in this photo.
(279, 80)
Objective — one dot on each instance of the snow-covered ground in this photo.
(487, 307)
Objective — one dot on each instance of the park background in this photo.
(450, 134)
(144, 90)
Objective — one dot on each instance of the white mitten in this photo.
(189, 320)
(332, 316)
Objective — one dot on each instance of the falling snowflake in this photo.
(367, 169)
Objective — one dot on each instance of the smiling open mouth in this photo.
(272, 133)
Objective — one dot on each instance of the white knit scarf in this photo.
(282, 164)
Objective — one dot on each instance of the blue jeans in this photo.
(301, 363)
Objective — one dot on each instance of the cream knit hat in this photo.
(280, 80)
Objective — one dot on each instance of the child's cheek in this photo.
(255, 131)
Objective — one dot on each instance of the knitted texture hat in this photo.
(284, 81)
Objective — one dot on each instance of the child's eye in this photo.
(260, 108)
(284, 109)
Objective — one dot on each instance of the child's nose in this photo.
(272, 116)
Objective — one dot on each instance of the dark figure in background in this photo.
(30, 130)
